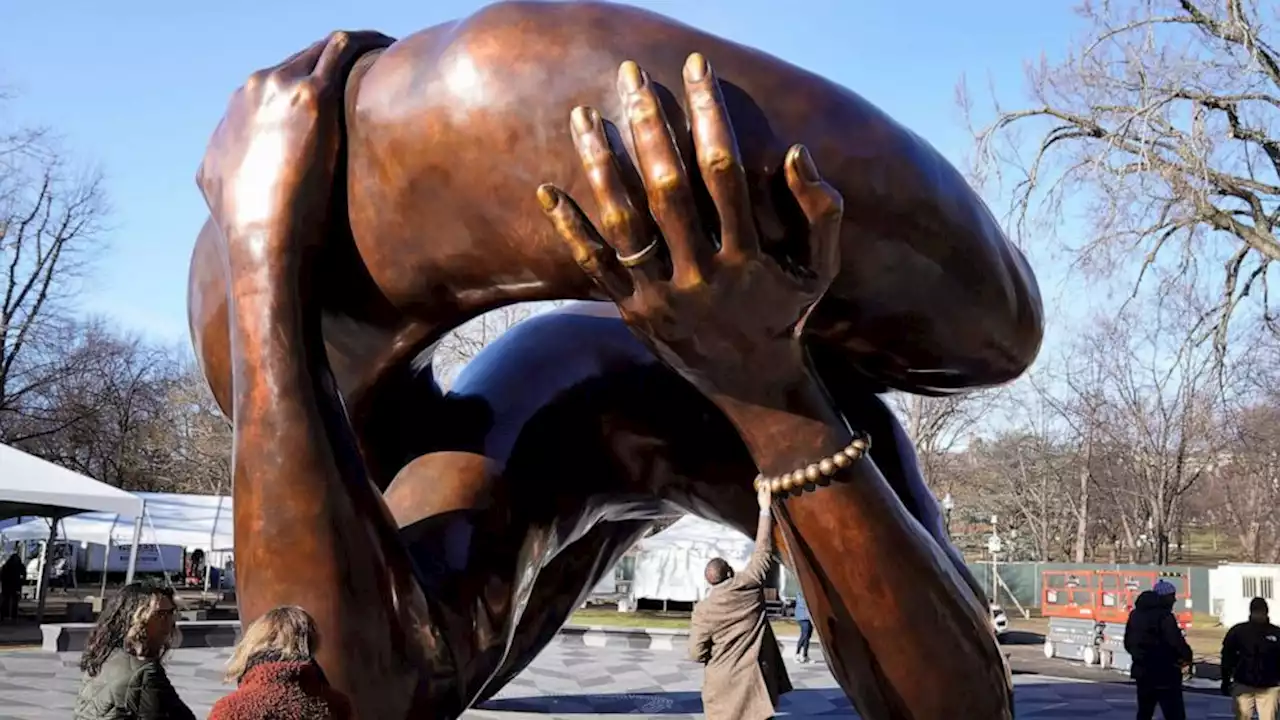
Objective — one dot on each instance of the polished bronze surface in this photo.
(347, 236)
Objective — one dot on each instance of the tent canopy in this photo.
(31, 486)
(671, 564)
(191, 521)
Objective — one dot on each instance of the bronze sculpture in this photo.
(368, 196)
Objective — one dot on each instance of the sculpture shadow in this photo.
(1063, 700)
(1021, 637)
(813, 702)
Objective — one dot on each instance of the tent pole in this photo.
(42, 582)
(208, 557)
(106, 559)
(71, 564)
(133, 549)
(159, 553)
(106, 555)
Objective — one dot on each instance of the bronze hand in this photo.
(717, 310)
(271, 159)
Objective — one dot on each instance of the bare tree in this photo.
(457, 348)
(1072, 392)
(51, 222)
(1158, 127)
(939, 427)
(192, 435)
(103, 414)
(1248, 480)
(1163, 396)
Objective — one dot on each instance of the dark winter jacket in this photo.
(130, 688)
(1156, 643)
(1251, 654)
(12, 574)
(283, 691)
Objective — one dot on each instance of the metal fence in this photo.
(1022, 579)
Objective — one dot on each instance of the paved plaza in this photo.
(576, 682)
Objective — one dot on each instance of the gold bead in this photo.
(851, 454)
(812, 473)
(775, 485)
(861, 444)
(827, 466)
(841, 460)
(788, 482)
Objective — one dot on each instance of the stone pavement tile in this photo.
(616, 682)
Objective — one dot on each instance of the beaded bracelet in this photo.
(819, 473)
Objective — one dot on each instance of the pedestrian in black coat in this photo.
(1159, 651)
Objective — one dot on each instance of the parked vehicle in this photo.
(999, 620)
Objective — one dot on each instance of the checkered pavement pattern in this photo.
(574, 681)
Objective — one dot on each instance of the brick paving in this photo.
(568, 681)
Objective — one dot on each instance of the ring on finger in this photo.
(639, 258)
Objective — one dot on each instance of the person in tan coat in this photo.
(731, 636)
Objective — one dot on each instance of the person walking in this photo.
(13, 575)
(731, 635)
(275, 669)
(1251, 664)
(123, 675)
(806, 628)
(1159, 651)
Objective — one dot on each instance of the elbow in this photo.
(1010, 320)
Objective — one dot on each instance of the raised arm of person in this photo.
(310, 529)
(757, 569)
(725, 308)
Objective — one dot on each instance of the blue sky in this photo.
(136, 87)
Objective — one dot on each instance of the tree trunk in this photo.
(1082, 514)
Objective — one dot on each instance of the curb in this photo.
(658, 639)
(65, 637)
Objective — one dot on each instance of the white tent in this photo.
(31, 486)
(190, 521)
(670, 564)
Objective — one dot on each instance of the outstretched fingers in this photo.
(719, 159)
(823, 207)
(623, 226)
(596, 258)
(666, 183)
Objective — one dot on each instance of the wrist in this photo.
(787, 426)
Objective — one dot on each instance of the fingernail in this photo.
(630, 77)
(548, 197)
(695, 68)
(804, 164)
(583, 119)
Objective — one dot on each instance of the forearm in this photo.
(764, 532)
(903, 596)
(300, 482)
(788, 425)
(290, 432)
